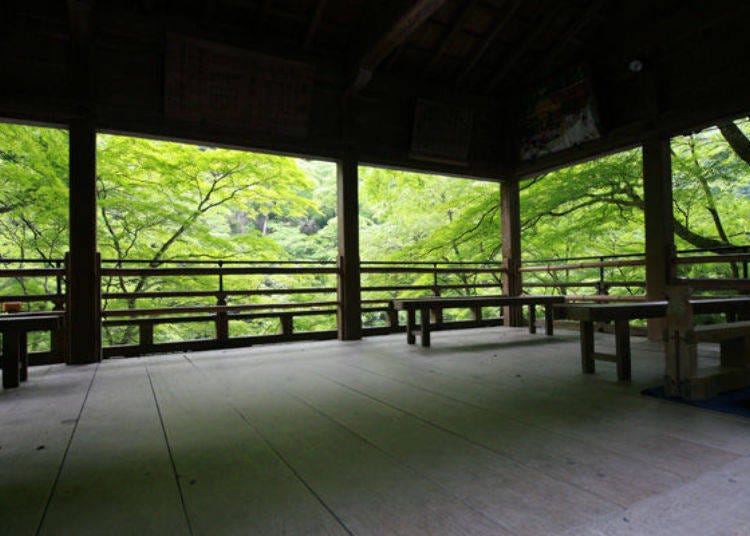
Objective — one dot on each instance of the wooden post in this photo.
(145, 336)
(436, 315)
(510, 212)
(392, 317)
(681, 352)
(58, 344)
(622, 349)
(657, 193)
(588, 364)
(349, 284)
(222, 319)
(287, 323)
(83, 285)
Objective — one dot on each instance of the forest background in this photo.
(166, 202)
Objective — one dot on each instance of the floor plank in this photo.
(612, 477)
(369, 490)
(630, 428)
(490, 431)
(36, 421)
(523, 500)
(117, 477)
(233, 481)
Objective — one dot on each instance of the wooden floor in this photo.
(490, 431)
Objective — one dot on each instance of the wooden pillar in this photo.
(349, 285)
(83, 286)
(657, 193)
(510, 212)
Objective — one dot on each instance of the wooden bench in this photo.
(733, 339)
(435, 303)
(683, 377)
(14, 329)
(622, 313)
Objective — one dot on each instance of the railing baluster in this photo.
(222, 319)
(287, 324)
(145, 335)
(436, 315)
(439, 281)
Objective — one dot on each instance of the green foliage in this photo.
(33, 192)
(162, 201)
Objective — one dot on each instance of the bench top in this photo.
(29, 322)
(472, 301)
(603, 312)
(722, 332)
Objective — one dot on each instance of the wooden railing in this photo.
(40, 286)
(384, 281)
(240, 303)
(237, 285)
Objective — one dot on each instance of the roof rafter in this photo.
(262, 12)
(448, 36)
(569, 36)
(520, 51)
(312, 28)
(395, 34)
(488, 41)
(80, 20)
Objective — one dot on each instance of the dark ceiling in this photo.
(376, 52)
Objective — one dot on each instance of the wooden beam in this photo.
(83, 287)
(569, 37)
(349, 284)
(261, 13)
(209, 10)
(80, 19)
(453, 30)
(510, 214)
(397, 32)
(522, 48)
(487, 43)
(657, 193)
(312, 28)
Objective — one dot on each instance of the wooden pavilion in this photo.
(491, 89)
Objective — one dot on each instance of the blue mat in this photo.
(734, 402)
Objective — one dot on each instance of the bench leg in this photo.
(622, 349)
(549, 326)
(11, 358)
(23, 355)
(425, 314)
(411, 323)
(532, 318)
(735, 352)
(587, 347)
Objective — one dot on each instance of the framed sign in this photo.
(218, 84)
(442, 132)
(559, 114)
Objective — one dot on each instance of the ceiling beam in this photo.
(520, 50)
(209, 10)
(488, 41)
(312, 28)
(80, 20)
(261, 13)
(568, 38)
(457, 26)
(389, 40)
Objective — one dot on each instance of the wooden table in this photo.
(14, 329)
(622, 313)
(438, 303)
